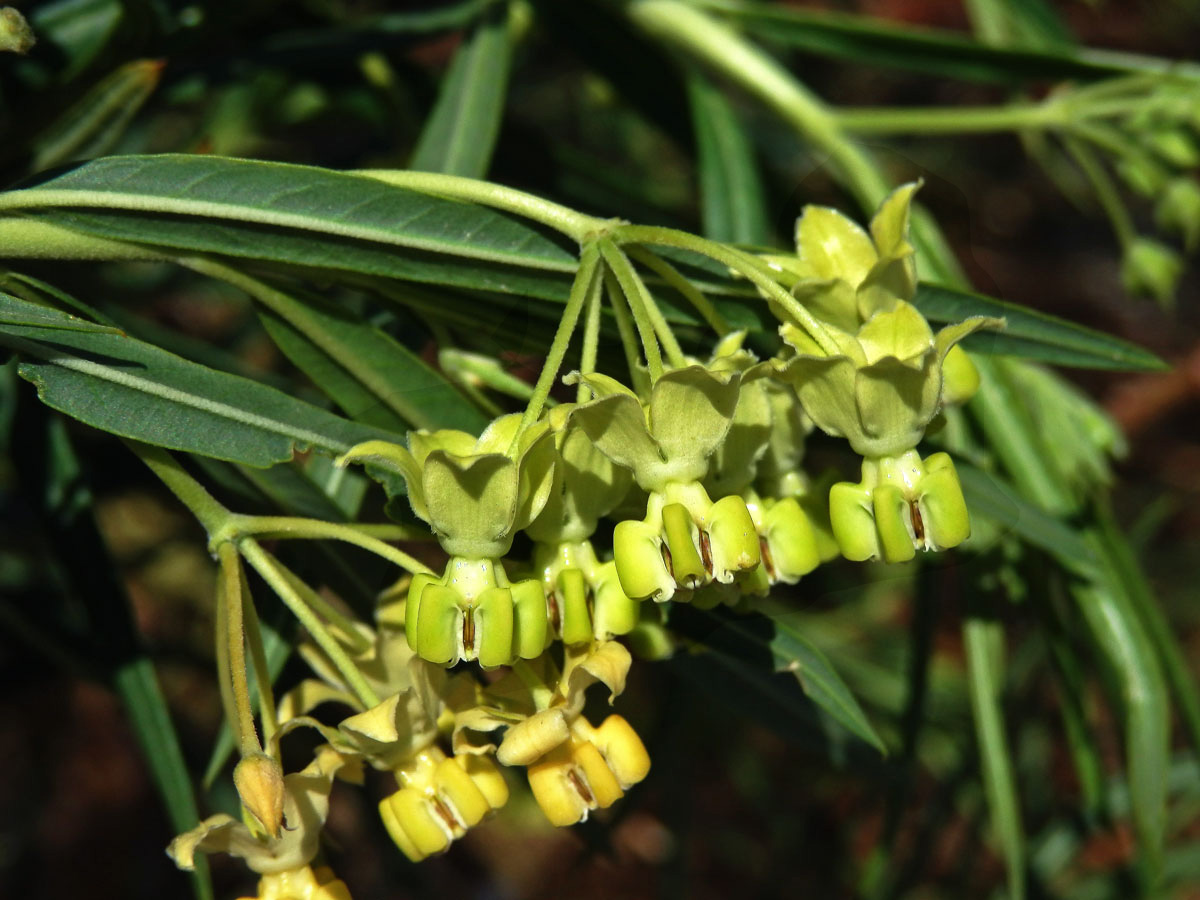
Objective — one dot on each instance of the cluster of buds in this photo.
(701, 475)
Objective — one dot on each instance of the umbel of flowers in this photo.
(707, 457)
(883, 386)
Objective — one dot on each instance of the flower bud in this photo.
(259, 782)
(1178, 211)
(1151, 269)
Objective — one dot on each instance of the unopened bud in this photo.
(1151, 269)
(1178, 211)
(15, 34)
(259, 782)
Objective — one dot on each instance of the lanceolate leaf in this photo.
(373, 377)
(135, 390)
(949, 54)
(300, 215)
(461, 132)
(773, 646)
(1032, 334)
(731, 190)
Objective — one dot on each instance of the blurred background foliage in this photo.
(754, 790)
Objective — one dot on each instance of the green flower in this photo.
(584, 595)
(883, 388)
(475, 494)
(685, 540)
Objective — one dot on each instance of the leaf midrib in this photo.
(40, 198)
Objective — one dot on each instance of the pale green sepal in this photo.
(851, 515)
(492, 618)
(889, 226)
(472, 502)
(639, 562)
(733, 540)
(457, 443)
(601, 385)
(949, 336)
(825, 387)
(832, 302)
(830, 245)
(531, 622)
(535, 478)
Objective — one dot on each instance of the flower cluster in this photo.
(700, 473)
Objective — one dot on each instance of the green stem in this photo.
(629, 341)
(746, 265)
(721, 48)
(950, 120)
(349, 635)
(589, 262)
(262, 670)
(674, 278)
(269, 569)
(591, 338)
(1106, 191)
(666, 337)
(235, 651)
(627, 282)
(212, 515)
(571, 223)
(295, 528)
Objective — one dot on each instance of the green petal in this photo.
(891, 524)
(852, 517)
(492, 617)
(530, 619)
(889, 227)
(691, 411)
(833, 302)
(950, 335)
(895, 403)
(733, 539)
(535, 478)
(833, 246)
(825, 387)
(422, 443)
(733, 466)
(639, 562)
(573, 612)
(472, 502)
(616, 424)
(394, 458)
(944, 516)
(902, 333)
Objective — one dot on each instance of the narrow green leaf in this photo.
(731, 189)
(1032, 334)
(138, 687)
(866, 41)
(132, 389)
(1176, 665)
(80, 29)
(298, 215)
(983, 640)
(460, 134)
(989, 496)
(1128, 652)
(96, 122)
(14, 311)
(772, 645)
(373, 377)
